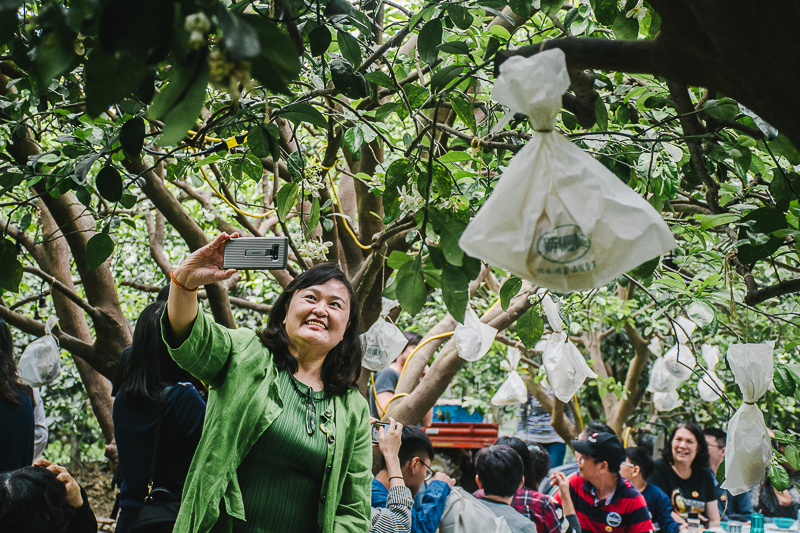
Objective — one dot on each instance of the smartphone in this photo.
(375, 428)
(256, 253)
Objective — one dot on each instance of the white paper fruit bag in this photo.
(558, 217)
(40, 363)
(512, 391)
(473, 338)
(565, 366)
(383, 341)
(748, 452)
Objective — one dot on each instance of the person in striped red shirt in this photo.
(604, 501)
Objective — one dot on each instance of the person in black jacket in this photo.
(44, 498)
(16, 409)
(148, 375)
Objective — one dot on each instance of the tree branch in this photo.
(756, 296)
(155, 240)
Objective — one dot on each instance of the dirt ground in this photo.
(96, 480)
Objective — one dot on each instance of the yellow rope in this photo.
(578, 411)
(375, 394)
(231, 204)
(346, 225)
(212, 139)
(625, 436)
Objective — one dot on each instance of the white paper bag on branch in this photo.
(383, 341)
(512, 391)
(710, 387)
(666, 401)
(680, 361)
(473, 338)
(565, 366)
(558, 217)
(748, 452)
(661, 379)
(683, 329)
(40, 363)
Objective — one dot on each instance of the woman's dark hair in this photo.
(149, 369)
(639, 456)
(9, 382)
(500, 470)
(540, 464)
(702, 459)
(342, 365)
(527, 467)
(33, 500)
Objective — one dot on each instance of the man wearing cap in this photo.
(604, 501)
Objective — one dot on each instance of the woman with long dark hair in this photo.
(286, 445)
(683, 473)
(16, 409)
(151, 381)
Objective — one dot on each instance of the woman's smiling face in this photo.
(684, 447)
(317, 317)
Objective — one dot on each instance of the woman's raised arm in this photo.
(202, 267)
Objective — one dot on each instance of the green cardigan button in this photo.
(331, 438)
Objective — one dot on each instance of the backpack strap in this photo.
(161, 400)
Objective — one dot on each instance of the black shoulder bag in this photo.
(161, 507)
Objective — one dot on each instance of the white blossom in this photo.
(197, 24)
(410, 200)
(315, 250)
(638, 12)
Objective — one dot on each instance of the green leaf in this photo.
(319, 40)
(179, 104)
(444, 76)
(430, 37)
(625, 28)
(379, 77)
(455, 156)
(606, 11)
(131, 137)
(303, 112)
(779, 477)
(98, 250)
(783, 146)
(109, 79)
(128, 200)
(783, 381)
(354, 138)
(279, 62)
(520, 8)
(347, 80)
(763, 222)
(349, 47)
(449, 232)
(261, 141)
(551, 7)
(397, 259)
(455, 291)
(411, 291)
(455, 47)
(11, 273)
(416, 94)
(646, 269)
(701, 313)
(784, 188)
(465, 112)
(712, 221)
(510, 288)
(109, 184)
(385, 110)
(241, 40)
(286, 198)
(313, 217)
(723, 110)
(530, 327)
(460, 16)
(792, 454)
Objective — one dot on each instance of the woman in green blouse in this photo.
(286, 441)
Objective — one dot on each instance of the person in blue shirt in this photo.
(731, 507)
(636, 468)
(416, 452)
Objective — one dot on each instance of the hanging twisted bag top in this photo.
(557, 216)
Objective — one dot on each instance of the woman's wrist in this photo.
(393, 468)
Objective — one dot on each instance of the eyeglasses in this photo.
(583, 458)
(430, 473)
(626, 463)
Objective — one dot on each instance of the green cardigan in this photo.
(243, 401)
